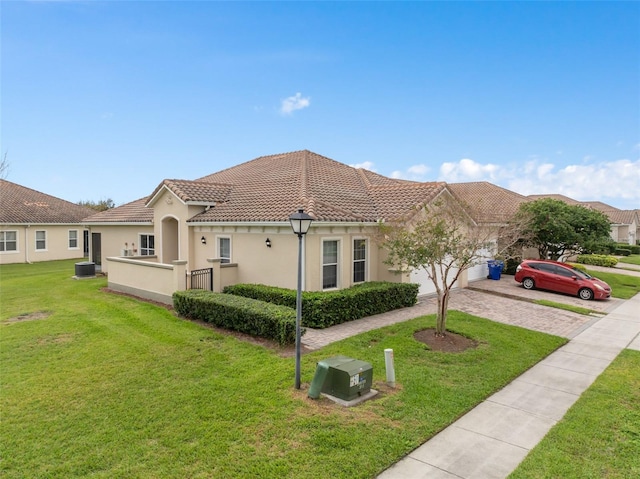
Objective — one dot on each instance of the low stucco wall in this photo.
(155, 281)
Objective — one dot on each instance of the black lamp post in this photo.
(300, 223)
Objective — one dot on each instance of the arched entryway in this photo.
(170, 241)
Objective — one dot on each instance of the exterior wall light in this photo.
(268, 243)
(300, 223)
(203, 240)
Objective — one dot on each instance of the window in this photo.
(147, 245)
(8, 241)
(224, 249)
(329, 264)
(73, 239)
(359, 260)
(41, 240)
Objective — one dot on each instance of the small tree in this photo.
(101, 205)
(558, 230)
(445, 241)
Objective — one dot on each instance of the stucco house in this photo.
(35, 226)
(236, 221)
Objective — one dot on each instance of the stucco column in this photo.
(217, 281)
(179, 274)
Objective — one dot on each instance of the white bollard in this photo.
(391, 372)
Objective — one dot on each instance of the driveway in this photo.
(504, 301)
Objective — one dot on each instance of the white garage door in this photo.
(426, 285)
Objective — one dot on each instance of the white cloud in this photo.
(613, 182)
(413, 173)
(293, 103)
(468, 170)
(365, 165)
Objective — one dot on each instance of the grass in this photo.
(623, 286)
(631, 259)
(600, 435)
(567, 307)
(106, 386)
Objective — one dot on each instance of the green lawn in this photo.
(623, 286)
(631, 259)
(102, 385)
(600, 435)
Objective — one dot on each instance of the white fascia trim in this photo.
(279, 223)
(120, 223)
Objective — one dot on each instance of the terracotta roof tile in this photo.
(195, 191)
(133, 212)
(21, 205)
(486, 202)
(270, 188)
(622, 217)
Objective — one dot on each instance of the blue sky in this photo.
(106, 99)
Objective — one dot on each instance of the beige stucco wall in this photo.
(254, 262)
(57, 243)
(146, 279)
(114, 237)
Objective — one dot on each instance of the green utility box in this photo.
(347, 378)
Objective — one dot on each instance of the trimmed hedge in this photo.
(597, 260)
(633, 249)
(236, 313)
(622, 252)
(324, 309)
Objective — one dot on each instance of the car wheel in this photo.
(528, 283)
(585, 293)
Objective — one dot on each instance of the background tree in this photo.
(101, 205)
(444, 241)
(559, 230)
(4, 167)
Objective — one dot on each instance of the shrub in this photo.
(622, 251)
(510, 265)
(237, 313)
(324, 309)
(597, 260)
(581, 267)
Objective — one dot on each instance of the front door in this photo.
(96, 248)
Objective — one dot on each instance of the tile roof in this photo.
(270, 188)
(22, 205)
(133, 212)
(486, 202)
(622, 217)
(566, 199)
(598, 205)
(200, 192)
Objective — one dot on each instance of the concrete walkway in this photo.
(493, 438)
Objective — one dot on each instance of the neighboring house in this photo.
(126, 230)
(236, 221)
(38, 227)
(625, 224)
(491, 207)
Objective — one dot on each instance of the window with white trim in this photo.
(359, 260)
(8, 241)
(224, 249)
(147, 245)
(41, 240)
(73, 239)
(329, 264)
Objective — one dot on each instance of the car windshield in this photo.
(580, 274)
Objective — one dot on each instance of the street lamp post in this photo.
(300, 223)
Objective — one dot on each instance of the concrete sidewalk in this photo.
(493, 438)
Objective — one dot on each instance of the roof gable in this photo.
(22, 205)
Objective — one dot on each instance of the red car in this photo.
(561, 278)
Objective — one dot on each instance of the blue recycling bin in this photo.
(495, 268)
